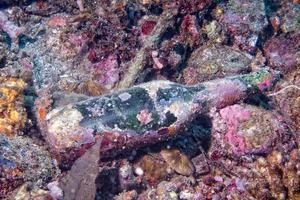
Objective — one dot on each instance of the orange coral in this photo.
(12, 113)
(42, 113)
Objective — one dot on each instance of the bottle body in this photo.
(138, 111)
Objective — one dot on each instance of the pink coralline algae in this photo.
(147, 27)
(157, 63)
(144, 116)
(189, 29)
(107, 72)
(77, 40)
(193, 6)
(233, 116)
(264, 84)
(247, 129)
(92, 55)
(57, 21)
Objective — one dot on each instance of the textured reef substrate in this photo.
(133, 100)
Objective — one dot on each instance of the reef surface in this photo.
(149, 99)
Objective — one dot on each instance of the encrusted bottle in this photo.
(145, 113)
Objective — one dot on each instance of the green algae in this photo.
(253, 79)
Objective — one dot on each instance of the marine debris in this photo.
(145, 113)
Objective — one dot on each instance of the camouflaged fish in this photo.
(146, 113)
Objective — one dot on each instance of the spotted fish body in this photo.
(144, 114)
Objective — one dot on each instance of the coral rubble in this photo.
(149, 99)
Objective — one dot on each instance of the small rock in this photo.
(126, 177)
(153, 169)
(248, 129)
(187, 195)
(189, 30)
(170, 190)
(289, 104)
(25, 192)
(210, 62)
(290, 14)
(13, 30)
(148, 26)
(213, 31)
(178, 161)
(283, 53)
(244, 21)
(106, 72)
(80, 182)
(130, 195)
(21, 160)
(166, 191)
(139, 171)
(55, 191)
(89, 88)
